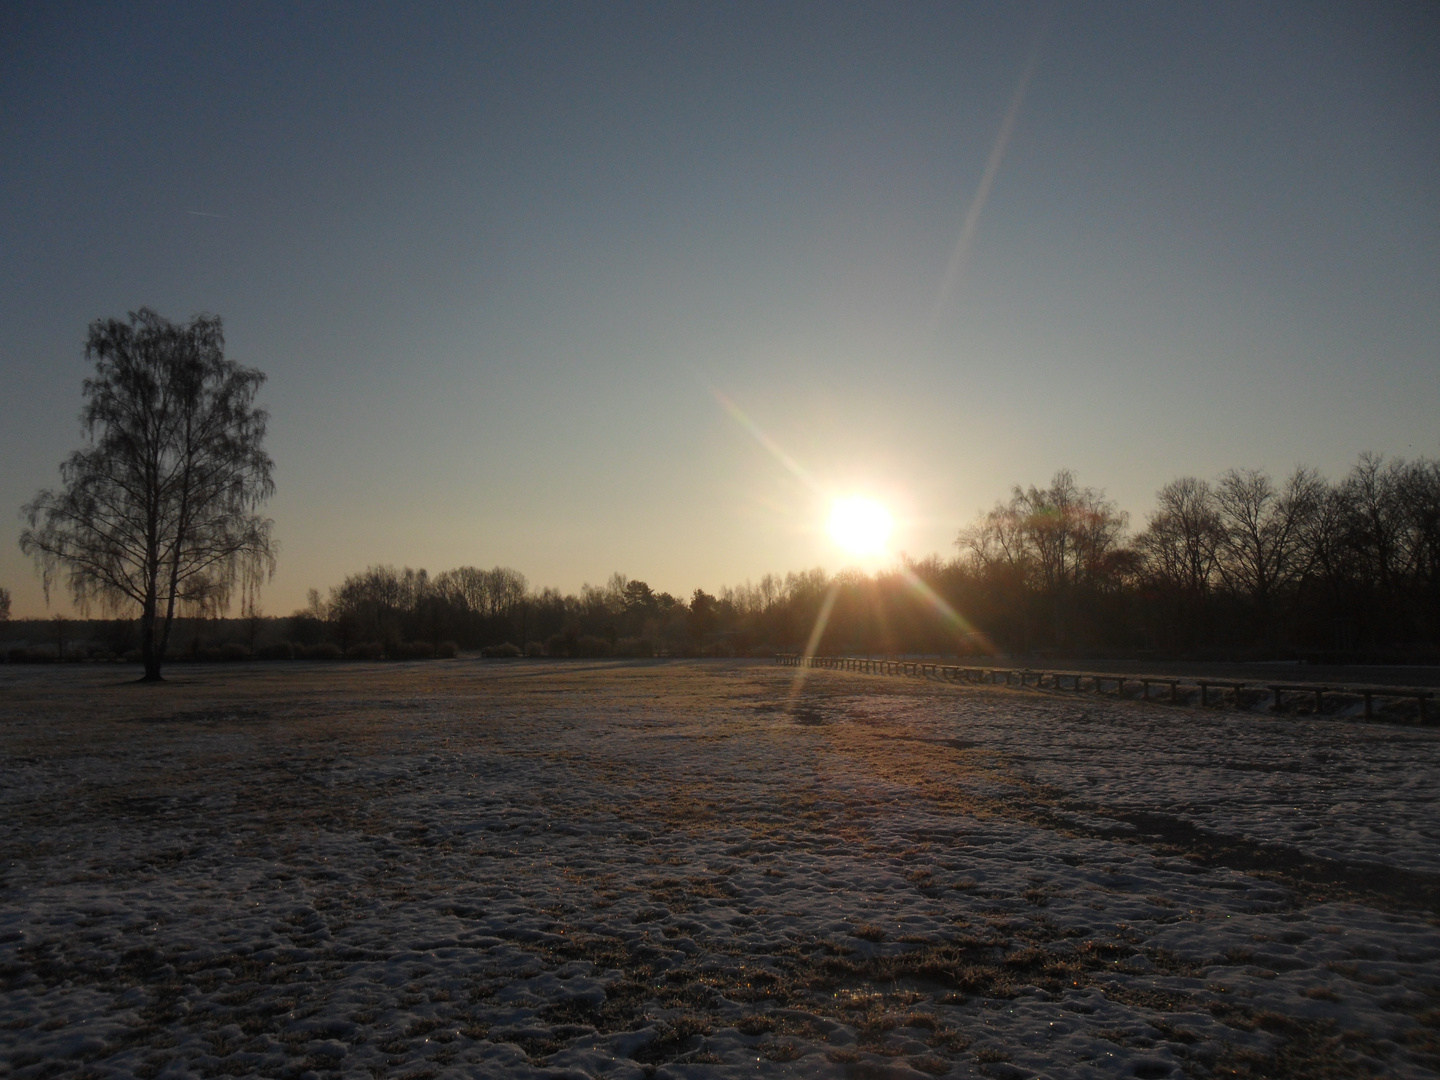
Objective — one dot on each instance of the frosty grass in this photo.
(703, 869)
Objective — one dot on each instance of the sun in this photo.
(861, 526)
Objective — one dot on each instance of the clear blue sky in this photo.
(498, 261)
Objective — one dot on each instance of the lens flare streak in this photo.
(987, 180)
(764, 440)
(952, 618)
(822, 618)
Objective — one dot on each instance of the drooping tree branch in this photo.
(160, 512)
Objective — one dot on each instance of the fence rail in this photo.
(1183, 689)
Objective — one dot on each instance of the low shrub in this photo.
(412, 650)
(281, 650)
(629, 646)
(326, 650)
(230, 652)
(505, 651)
(587, 645)
(447, 650)
(534, 648)
(364, 650)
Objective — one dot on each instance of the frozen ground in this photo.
(701, 869)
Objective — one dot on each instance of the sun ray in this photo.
(961, 626)
(776, 450)
(817, 631)
(862, 526)
(987, 180)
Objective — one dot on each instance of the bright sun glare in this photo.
(860, 526)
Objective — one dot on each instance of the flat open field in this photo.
(701, 869)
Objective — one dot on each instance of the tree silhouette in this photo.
(159, 511)
(1262, 533)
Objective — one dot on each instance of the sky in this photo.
(585, 288)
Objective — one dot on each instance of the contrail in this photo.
(992, 166)
(202, 213)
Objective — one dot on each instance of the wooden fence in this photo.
(1182, 690)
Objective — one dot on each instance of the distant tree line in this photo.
(389, 611)
(1238, 566)
(1241, 565)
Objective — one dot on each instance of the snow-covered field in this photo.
(701, 869)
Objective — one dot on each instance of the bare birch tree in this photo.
(159, 512)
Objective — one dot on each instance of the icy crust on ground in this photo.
(687, 870)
